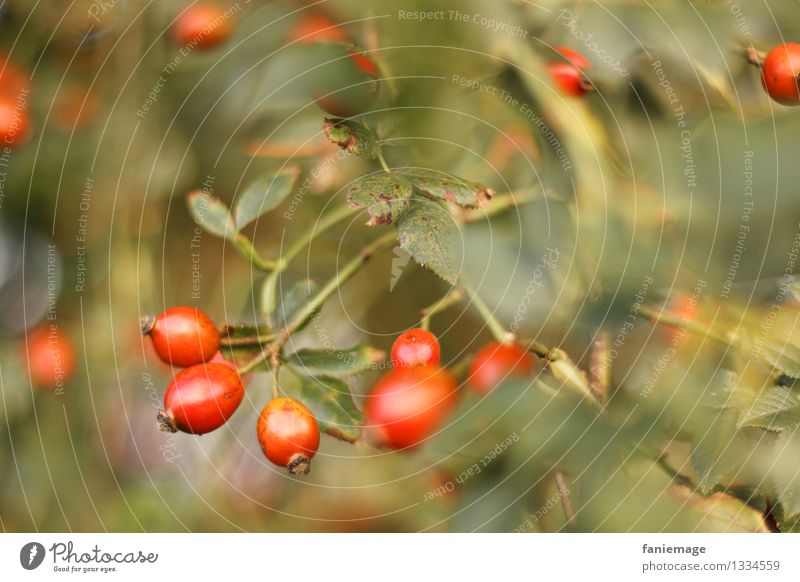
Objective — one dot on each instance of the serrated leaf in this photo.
(385, 196)
(713, 452)
(297, 296)
(776, 408)
(351, 136)
(211, 214)
(784, 473)
(264, 194)
(449, 188)
(336, 363)
(331, 403)
(783, 357)
(428, 233)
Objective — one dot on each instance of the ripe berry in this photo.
(780, 73)
(288, 434)
(15, 123)
(314, 27)
(203, 26)
(183, 336)
(415, 347)
(201, 398)
(407, 405)
(569, 75)
(495, 362)
(50, 357)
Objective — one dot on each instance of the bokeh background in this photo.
(675, 179)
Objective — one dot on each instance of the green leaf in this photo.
(713, 452)
(211, 214)
(784, 475)
(776, 408)
(294, 299)
(352, 136)
(332, 404)
(783, 357)
(428, 233)
(336, 363)
(385, 197)
(449, 188)
(264, 194)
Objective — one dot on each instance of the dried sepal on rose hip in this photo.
(183, 336)
(415, 347)
(497, 361)
(288, 434)
(201, 398)
(408, 405)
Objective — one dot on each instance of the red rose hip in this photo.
(288, 434)
(201, 399)
(568, 74)
(315, 27)
(415, 347)
(780, 72)
(183, 336)
(407, 405)
(203, 26)
(50, 357)
(497, 361)
(15, 125)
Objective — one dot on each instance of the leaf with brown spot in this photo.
(351, 136)
(449, 188)
(385, 197)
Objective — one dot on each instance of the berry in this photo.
(407, 405)
(201, 399)
(569, 75)
(685, 308)
(780, 72)
(314, 27)
(50, 357)
(183, 336)
(15, 123)
(202, 26)
(288, 434)
(415, 347)
(495, 362)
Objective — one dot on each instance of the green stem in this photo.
(498, 331)
(248, 251)
(445, 302)
(502, 203)
(248, 340)
(666, 318)
(382, 160)
(342, 276)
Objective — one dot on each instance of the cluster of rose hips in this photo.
(206, 393)
(405, 406)
(411, 402)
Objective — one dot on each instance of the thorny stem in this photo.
(498, 331)
(453, 297)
